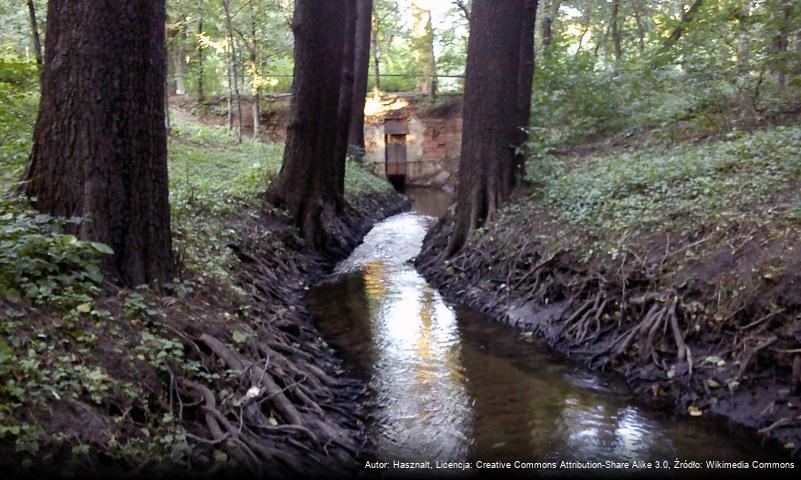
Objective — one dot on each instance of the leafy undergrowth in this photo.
(19, 99)
(676, 265)
(221, 370)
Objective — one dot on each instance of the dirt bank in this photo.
(211, 376)
(661, 331)
(695, 300)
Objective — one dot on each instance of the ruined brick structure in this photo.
(424, 136)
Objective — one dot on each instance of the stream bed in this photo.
(449, 384)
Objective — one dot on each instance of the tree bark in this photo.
(305, 185)
(361, 58)
(423, 48)
(99, 146)
(492, 112)
(345, 107)
(37, 43)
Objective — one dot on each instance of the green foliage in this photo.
(678, 187)
(359, 181)
(734, 59)
(42, 264)
(185, 39)
(211, 175)
(19, 98)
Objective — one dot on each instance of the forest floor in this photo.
(672, 259)
(223, 371)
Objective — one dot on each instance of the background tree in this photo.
(345, 107)
(255, 85)
(525, 77)
(491, 119)
(361, 58)
(100, 148)
(233, 79)
(617, 35)
(423, 48)
(37, 43)
(306, 185)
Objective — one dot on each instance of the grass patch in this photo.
(676, 188)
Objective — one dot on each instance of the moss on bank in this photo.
(677, 265)
(223, 370)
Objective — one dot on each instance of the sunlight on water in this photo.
(447, 383)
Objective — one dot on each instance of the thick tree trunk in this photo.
(200, 94)
(525, 76)
(423, 48)
(361, 58)
(345, 107)
(100, 148)
(37, 43)
(492, 112)
(305, 185)
(232, 73)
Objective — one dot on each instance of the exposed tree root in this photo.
(680, 340)
(283, 408)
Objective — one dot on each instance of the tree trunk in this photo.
(587, 19)
(376, 57)
(361, 58)
(781, 44)
(345, 106)
(179, 66)
(492, 112)
(200, 94)
(616, 35)
(99, 146)
(305, 185)
(686, 18)
(640, 32)
(423, 48)
(550, 10)
(232, 73)
(37, 43)
(229, 119)
(255, 89)
(525, 76)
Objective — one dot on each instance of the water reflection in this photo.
(449, 384)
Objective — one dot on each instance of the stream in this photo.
(449, 384)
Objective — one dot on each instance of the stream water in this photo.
(448, 384)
